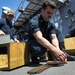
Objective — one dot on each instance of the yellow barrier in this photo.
(17, 55)
(70, 45)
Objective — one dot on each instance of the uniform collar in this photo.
(42, 20)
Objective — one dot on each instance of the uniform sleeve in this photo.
(52, 30)
(5, 28)
(34, 27)
(2, 22)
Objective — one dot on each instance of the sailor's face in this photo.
(10, 17)
(47, 13)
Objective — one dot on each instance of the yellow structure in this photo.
(17, 55)
(70, 45)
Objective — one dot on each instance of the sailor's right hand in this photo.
(61, 56)
(1, 32)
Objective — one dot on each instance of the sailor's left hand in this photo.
(16, 40)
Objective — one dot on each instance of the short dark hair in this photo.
(49, 3)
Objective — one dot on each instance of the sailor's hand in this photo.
(61, 56)
(16, 40)
(1, 32)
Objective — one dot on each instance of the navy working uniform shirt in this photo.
(38, 24)
(6, 27)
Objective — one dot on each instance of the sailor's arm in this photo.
(44, 42)
(54, 40)
(1, 32)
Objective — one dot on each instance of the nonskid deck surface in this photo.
(66, 69)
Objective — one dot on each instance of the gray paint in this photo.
(66, 24)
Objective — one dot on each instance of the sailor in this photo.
(6, 26)
(40, 29)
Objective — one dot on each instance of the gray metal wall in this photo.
(63, 18)
(67, 18)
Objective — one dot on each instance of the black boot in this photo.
(69, 57)
(43, 57)
(35, 60)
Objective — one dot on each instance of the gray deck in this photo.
(67, 69)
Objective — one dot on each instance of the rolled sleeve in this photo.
(34, 26)
(52, 30)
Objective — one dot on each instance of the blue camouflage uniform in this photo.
(6, 27)
(38, 24)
